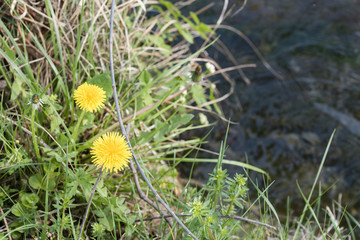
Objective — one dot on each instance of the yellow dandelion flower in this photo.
(111, 151)
(89, 97)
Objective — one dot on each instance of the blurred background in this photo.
(283, 125)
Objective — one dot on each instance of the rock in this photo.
(3, 84)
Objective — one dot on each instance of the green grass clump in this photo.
(47, 50)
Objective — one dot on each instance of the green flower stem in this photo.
(45, 226)
(62, 222)
(76, 133)
(33, 131)
(217, 190)
(89, 203)
(230, 206)
(76, 130)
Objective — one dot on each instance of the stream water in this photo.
(284, 125)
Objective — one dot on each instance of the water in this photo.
(284, 126)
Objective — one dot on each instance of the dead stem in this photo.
(6, 224)
(142, 195)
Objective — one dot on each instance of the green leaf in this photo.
(161, 129)
(212, 97)
(106, 222)
(166, 4)
(72, 154)
(205, 28)
(198, 94)
(85, 179)
(186, 35)
(101, 189)
(146, 99)
(88, 119)
(145, 137)
(9, 52)
(195, 18)
(17, 87)
(71, 189)
(35, 181)
(103, 81)
(145, 77)
(105, 218)
(58, 158)
(180, 120)
(29, 200)
(160, 42)
(129, 230)
(17, 210)
(54, 125)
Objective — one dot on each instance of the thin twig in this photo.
(252, 45)
(221, 47)
(12, 9)
(89, 203)
(123, 128)
(6, 224)
(240, 9)
(222, 70)
(221, 18)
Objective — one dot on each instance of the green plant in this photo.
(45, 145)
(46, 173)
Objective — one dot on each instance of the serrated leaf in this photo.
(54, 125)
(146, 99)
(84, 178)
(198, 94)
(145, 137)
(59, 159)
(161, 129)
(101, 189)
(107, 223)
(180, 120)
(105, 217)
(62, 158)
(71, 189)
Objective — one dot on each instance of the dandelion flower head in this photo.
(36, 101)
(89, 97)
(111, 151)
